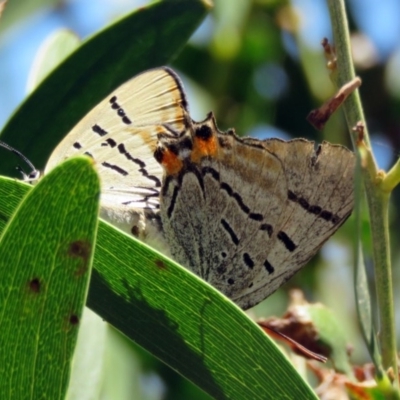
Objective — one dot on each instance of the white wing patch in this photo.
(120, 134)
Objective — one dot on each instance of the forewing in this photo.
(120, 135)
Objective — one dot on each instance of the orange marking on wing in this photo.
(203, 148)
(171, 163)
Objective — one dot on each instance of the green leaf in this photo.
(144, 39)
(182, 320)
(57, 46)
(46, 252)
(361, 289)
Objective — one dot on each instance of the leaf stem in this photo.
(378, 200)
(392, 178)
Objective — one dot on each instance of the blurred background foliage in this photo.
(259, 66)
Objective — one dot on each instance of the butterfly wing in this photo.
(318, 200)
(245, 214)
(120, 134)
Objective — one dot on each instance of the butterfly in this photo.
(243, 214)
(246, 214)
(120, 134)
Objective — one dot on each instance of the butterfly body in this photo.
(246, 214)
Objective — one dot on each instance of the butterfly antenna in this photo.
(34, 174)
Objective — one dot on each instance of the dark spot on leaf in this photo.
(80, 249)
(74, 319)
(160, 264)
(34, 285)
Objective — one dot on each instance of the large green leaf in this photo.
(181, 319)
(144, 39)
(46, 252)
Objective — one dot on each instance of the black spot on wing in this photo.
(314, 208)
(121, 148)
(268, 228)
(120, 111)
(270, 269)
(115, 168)
(285, 239)
(240, 203)
(212, 172)
(230, 231)
(77, 145)
(236, 196)
(248, 260)
(151, 177)
(256, 216)
(99, 130)
(144, 199)
(109, 142)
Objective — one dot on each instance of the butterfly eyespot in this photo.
(173, 148)
(223, 254)
(231, 281)
(251, 285)
(204, 132)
